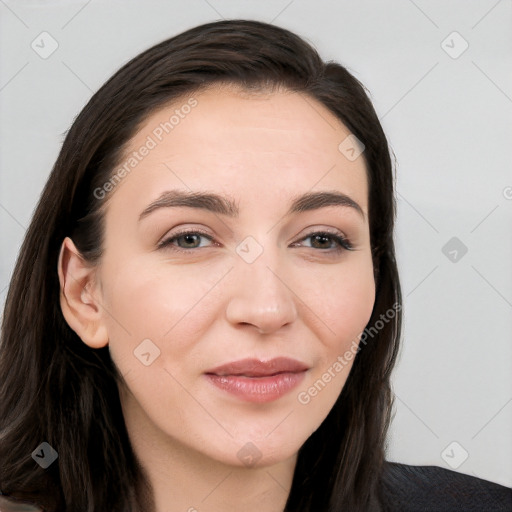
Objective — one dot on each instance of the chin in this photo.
(264, 452)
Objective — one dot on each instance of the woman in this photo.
(206, 308)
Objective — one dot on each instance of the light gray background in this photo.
(447, 120)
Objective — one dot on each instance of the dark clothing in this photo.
(434, 489)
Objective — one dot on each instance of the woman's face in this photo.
(253, 280)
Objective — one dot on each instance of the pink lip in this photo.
(258, 381)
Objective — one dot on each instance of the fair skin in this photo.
(207, 305)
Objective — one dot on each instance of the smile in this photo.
(252, 380)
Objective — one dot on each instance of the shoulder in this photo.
(9, 505)
(432, 488)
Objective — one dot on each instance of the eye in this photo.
(190, 240)
(323, 240)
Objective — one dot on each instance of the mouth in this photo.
(257, 368)
(252, 380)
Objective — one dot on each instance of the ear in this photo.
(79, 296)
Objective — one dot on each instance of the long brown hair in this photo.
(56, 389)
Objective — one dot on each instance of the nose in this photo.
(261, 296)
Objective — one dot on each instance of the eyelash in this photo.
(343, 243)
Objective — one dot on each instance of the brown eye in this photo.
(186, 240)
(324, 240)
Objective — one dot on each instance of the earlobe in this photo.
(79, 298)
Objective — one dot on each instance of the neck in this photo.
(182, 479)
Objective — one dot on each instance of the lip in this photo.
(258, 381)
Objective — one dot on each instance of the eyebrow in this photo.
(223, 205)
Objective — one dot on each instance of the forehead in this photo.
(240, 142)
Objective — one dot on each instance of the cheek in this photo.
(345, 309)
(142, 304)
(344, 304)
